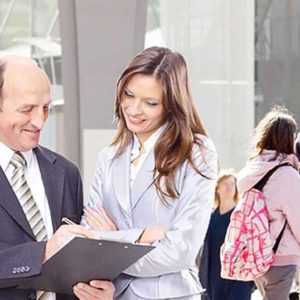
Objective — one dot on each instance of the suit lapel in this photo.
(53, 179)
(144, 179)
(121, 180)
(10, 203)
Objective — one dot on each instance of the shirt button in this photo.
(26, 269)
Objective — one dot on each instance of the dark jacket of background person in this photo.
(216, 287)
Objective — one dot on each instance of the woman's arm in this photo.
(104, 229)
(179, 248)
(286, 186)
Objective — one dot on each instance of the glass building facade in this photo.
(30, 28)
(243, 57)
(277, 56)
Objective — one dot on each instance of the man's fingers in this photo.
(80, 293)
(101, 284)
(85, 291)
(76, 230)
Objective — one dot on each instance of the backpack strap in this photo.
(276, 245)
(262, 182)
(259, 186)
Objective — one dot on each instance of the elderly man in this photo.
(37, 186)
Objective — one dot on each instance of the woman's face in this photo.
(226, 189)
(142, 105)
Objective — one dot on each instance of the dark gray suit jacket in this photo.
(18, 248)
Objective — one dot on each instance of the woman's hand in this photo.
(97, 289)
(152, 234)
(98, 219)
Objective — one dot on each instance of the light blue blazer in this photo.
(168, 271)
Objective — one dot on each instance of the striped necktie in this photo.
(23, 193)
(33, 215)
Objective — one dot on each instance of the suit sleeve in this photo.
(79, 195)
(22, 260)
(178, 250)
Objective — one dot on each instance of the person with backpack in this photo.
(271, 173)
(226, 197)
(297, 146)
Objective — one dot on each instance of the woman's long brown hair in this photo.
(183, 121)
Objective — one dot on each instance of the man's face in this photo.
(23, 109)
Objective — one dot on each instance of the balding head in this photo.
(25, 98)
(17, 71)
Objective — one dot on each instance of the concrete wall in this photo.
(98, 38)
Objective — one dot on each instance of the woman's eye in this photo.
(127, 94)
(152, 103)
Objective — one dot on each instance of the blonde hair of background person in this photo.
(156, 181)
(223, 176)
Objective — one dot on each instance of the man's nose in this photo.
(38, 119)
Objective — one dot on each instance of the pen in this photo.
(67, 221)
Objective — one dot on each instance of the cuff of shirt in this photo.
(129, 236)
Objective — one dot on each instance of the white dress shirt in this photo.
(34, 180)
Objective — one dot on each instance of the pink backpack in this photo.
(248, 250)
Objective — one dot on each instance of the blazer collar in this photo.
(121, 179)
(10, 203)
(53, 179)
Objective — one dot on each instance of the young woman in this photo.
(274, 145)
(156, 181)
(226, 196)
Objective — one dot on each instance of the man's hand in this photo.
(63, 236)
(97, 289)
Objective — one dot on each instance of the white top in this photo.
(135, 151)
(34, 180)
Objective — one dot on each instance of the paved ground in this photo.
(256, 296)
